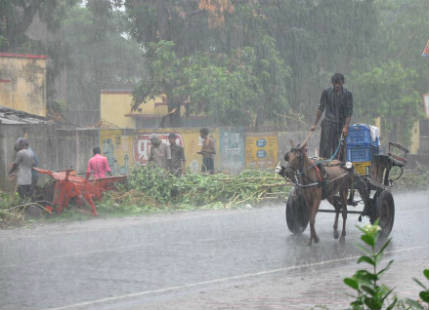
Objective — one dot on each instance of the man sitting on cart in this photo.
(337, 103)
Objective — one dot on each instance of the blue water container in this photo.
(359, 144)
(359, 135)
(361, 153)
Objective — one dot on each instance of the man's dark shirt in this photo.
(177, 156)
(337, 106)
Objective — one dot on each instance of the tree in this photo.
(318, 38)
(280, 53)
(210, 82)
(223, 88)
(390, 83)
(44, 17)
(101, 56)
(16, 17)
(244, 89)
(165, 77)
(402, 35)
(201, 36)
(388, 91)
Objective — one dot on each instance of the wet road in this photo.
(229, 259)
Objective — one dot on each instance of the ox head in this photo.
(294, 159)
(295, 156)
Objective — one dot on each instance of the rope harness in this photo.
(340, 142)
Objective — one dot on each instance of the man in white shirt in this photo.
(24, 163)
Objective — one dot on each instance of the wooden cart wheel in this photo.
(296, 213)
(385, 209)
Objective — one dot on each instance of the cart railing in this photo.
(398, 154)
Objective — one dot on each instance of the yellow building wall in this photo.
(24, 83)
(6, 93)
(124, 151)
(115, 108)
(415, 138)
(154, 106)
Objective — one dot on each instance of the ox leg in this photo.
(337, 207)
(313, 212)
(344, 214)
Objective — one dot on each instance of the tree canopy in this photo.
(248, 63)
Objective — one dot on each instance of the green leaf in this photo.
(368, 289)
(373, 303)
(366, 259)
(352, 283)
(419, 283)
(365, 275)
(380, 252)
(370, 240)
(426, 273)
(357, 303)
(386, 294)
(424, 295)
(390, 307)
(385, 268)
(356, 307)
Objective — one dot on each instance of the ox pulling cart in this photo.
(371, 177)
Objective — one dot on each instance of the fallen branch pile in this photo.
(154, 187)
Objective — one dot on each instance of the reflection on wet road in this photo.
(210, 260)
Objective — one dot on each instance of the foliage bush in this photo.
(9, 214)
(371, 294)
(151, 188)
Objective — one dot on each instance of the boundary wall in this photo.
(56, 149)
(236, 148)
(60, 149)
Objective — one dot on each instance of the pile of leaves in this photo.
(152, 188)
(10, 213)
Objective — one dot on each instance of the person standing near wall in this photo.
(159, 153)
(24, 163)
(34, 174)
(177, 162)
(98, 165)
(207, 151)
